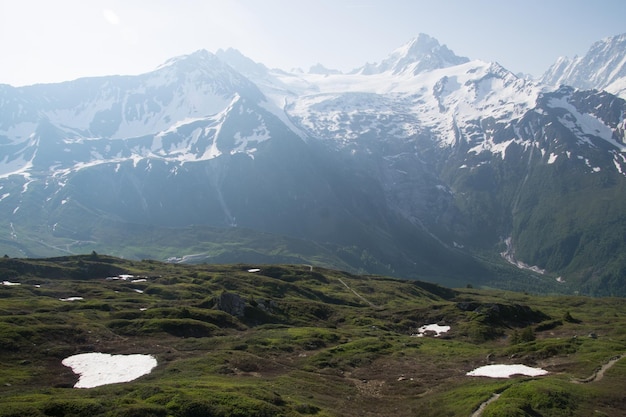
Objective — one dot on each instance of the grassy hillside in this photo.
(291, 340)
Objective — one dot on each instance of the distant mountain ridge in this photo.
(603, 67)
(427, 165)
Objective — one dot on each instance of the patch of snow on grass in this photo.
(96, 369)
(254, 270)
(506, 371)
(10, 284)
(71, 299)
(122, 277)
(431, 328)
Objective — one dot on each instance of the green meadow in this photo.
(297, 340)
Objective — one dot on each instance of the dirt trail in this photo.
(480, 410)
(599, 374)
(357, 294)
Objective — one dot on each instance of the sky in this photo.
(43, 41)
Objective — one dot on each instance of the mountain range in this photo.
(427, 165)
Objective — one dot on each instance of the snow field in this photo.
(506, 371)
(96, 369)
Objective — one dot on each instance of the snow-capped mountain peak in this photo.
(199, 56)
(602, 67)
(194, 94)
(421, 54)
(201, 67)
(241, 63)
(334, 107)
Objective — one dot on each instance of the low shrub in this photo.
(180, 327)
(73, 408)
(20, 411)
(141, 411)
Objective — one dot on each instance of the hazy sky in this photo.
(51, 41)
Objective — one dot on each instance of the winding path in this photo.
(599, 374)
(595, 377)
(481, 408)
(357, 294)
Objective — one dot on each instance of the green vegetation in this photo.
(411, 258)
(293, 340)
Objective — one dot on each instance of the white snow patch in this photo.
(506, 371)
(10, 284)
(585, 124)
(431, 328)
(254, 270)
(174, 127)
(618, 163)
(552, 158)
(260, 134)
(20, 132)
(501, 147)
(213, 151)
(617, 87)
(96, 369)
(71, 299)
(122, 277)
